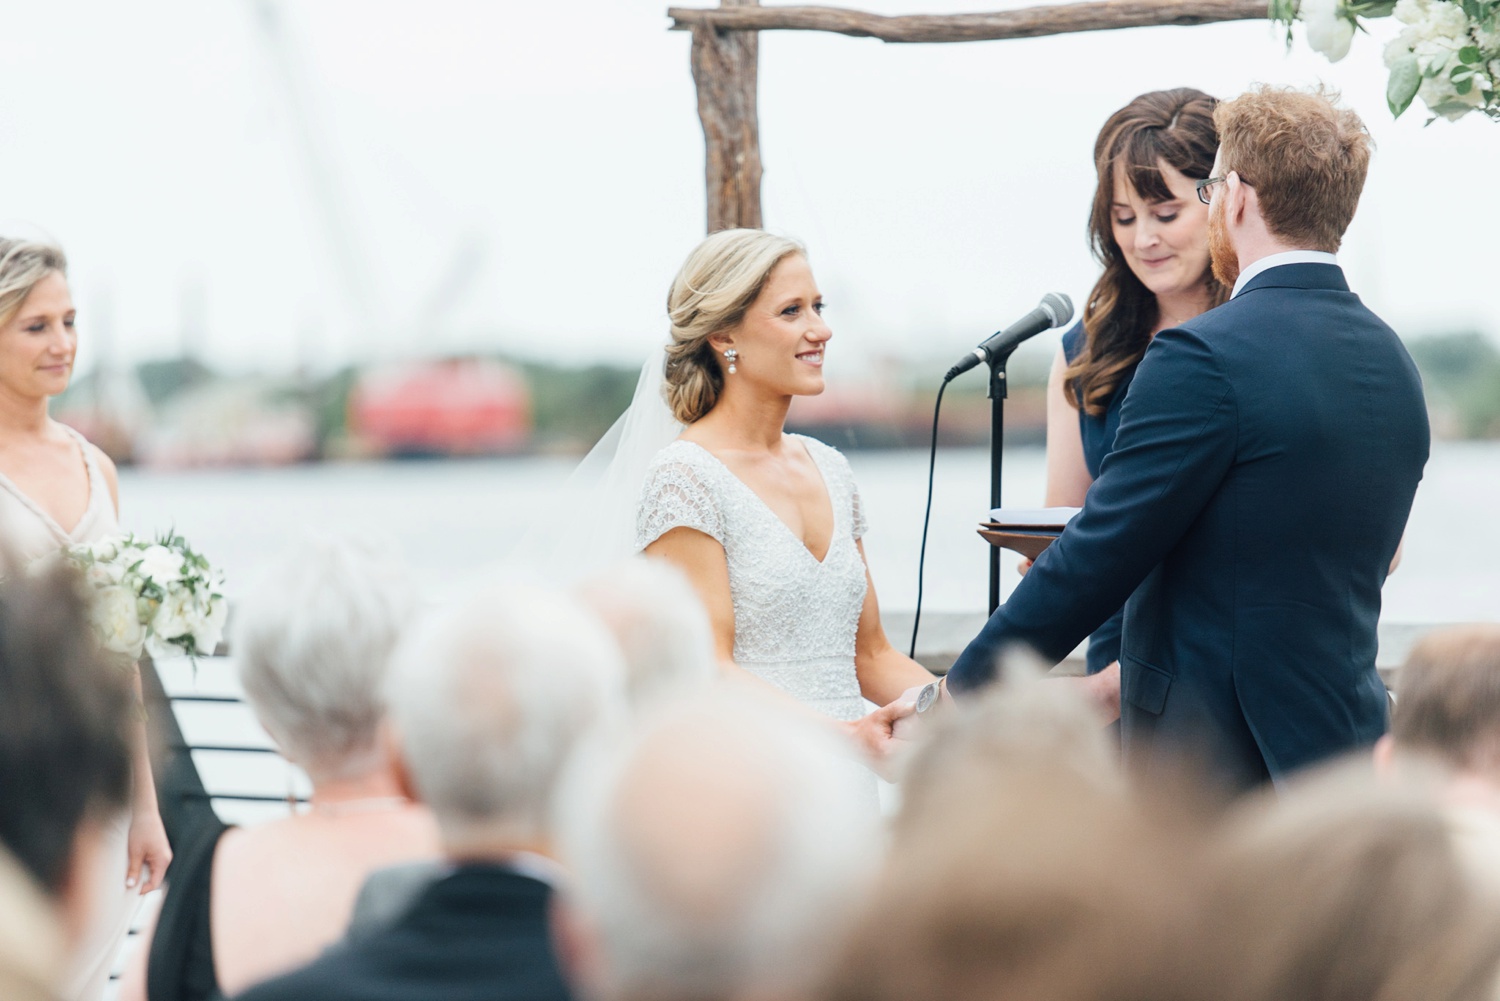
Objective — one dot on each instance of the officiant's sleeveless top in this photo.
(1097, 432)
(795, 618)
(28, 532)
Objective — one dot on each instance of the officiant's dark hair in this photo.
(1175, 126)
(65, 719)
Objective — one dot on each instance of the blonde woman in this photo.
(767, 525)
(56, 489)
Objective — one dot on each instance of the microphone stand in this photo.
(997, 395)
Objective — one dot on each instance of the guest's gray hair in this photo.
(660, 624)
(491, 700)
(24, 263)
(723, 851)
(314, 640)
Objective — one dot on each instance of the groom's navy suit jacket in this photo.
(1264, 467)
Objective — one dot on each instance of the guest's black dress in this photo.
(181, 963)
(1098, 435)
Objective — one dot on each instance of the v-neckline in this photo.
(833, 517)
(46, 518)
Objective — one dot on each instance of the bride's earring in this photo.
(732, 356)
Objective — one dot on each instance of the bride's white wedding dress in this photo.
(795, 617)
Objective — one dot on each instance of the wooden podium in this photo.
(1027, 535)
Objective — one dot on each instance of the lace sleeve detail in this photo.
(861, 525)
(676, 496)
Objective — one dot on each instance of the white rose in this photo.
(161, 564)
(213, 614)
(1328, 30)
(105, 549)
(174, 616)
(1446, 20)
(1410, 11)
(117, 621)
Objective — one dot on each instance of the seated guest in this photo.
(720, 853)
(31, 942)
(660, 624)
(313, 642)
(663, 632)
(487, 705)
(66, 717)
(1021, 870)
(1448, 712)
(1345, 890)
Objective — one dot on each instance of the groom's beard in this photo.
(1221, 256)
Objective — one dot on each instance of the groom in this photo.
(1266, 459)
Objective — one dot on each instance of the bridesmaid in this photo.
(56, 489)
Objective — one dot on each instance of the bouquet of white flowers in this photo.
(1448, 53)
(161, 597)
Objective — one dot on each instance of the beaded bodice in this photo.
(795, 618)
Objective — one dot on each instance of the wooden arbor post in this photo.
(725, 52)
(724, 68)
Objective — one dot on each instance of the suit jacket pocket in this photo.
(1144, 685)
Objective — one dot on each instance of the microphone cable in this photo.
(916, 621)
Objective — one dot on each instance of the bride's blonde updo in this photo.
(720, 279)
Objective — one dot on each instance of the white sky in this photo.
(941, 188)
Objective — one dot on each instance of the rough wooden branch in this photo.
(725, 70)
(1026, 22)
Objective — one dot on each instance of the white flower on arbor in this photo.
(1330, 30)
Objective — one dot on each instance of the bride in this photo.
(767, 525)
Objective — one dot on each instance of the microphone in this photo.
(1055, 310)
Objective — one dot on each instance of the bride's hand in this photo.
(875, 734)
(149, 849)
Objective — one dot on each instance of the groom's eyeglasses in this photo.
(1204, 195)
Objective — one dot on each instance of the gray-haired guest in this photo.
(314, 642)
(722, 852)
(660, 624)
(488, 704)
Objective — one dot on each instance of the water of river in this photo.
(451, 518)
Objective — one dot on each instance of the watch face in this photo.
(926, 697)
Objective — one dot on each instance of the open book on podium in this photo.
(1026, 530)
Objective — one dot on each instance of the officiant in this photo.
(1150, 232)
(1261, 476)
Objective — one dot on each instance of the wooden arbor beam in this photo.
(725, 52)
(1025, 22)
(726, 72)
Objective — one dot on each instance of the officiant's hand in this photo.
(875, 734)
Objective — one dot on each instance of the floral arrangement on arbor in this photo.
(1448, 53)
(162, 597)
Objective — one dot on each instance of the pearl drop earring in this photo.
(732, 356)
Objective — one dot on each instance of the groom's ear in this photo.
(1237, 195)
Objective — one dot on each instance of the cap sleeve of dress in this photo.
(861, 526)
(676, 495)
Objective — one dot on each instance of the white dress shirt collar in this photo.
(1277, 260)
